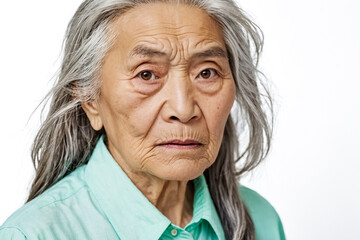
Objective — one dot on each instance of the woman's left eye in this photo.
(207, 73)
(146, 75)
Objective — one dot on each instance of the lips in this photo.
(180, 144)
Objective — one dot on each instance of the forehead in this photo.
(166, 26)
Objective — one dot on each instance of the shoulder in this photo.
(266, 220)
(256, 203)
(12, 233)
(49, 208)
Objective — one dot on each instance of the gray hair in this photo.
(66, 139)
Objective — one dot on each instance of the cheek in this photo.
(127, 119)
(130, 112)
(216, 109)
(125, 111)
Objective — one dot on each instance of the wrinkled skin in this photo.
(166, 78)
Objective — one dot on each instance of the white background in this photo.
(312, 56)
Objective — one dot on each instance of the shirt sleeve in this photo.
(11, 233)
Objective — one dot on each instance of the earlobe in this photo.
(93, 114)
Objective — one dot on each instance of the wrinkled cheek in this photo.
(217, 125)
(140, 118)
(129, 126)
(217, 128)
(214, 146)
(136, 149)
(223, 113)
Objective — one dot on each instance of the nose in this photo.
(181, 104)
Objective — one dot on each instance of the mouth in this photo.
(179, 144)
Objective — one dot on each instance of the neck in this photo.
(174, 199)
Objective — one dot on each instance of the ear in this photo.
(92, 112)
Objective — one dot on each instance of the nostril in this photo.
(179, 119)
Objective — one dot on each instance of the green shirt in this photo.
(99, 201)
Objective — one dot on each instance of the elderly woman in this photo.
(139, 142)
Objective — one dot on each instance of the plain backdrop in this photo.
(312, 57)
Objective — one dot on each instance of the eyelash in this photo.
(213, 73)
(153, 76)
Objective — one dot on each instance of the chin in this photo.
(181, 170)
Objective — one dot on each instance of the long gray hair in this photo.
(66, 139)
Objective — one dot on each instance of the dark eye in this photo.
(207, 73)
(146, 75)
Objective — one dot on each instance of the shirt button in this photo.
(174, 232)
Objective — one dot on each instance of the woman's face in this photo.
(167, 91)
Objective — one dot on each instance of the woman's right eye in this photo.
(146, 75)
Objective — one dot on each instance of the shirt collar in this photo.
(128, 210)
(204, 207)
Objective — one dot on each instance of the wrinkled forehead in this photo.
(166, 27)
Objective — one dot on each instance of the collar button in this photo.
(174, 232)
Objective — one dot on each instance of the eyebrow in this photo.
(145, 51)
(211, 52)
